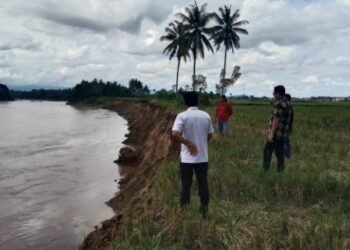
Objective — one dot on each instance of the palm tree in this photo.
(226, 31)
(178, 45)
(195, 21)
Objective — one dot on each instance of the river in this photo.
(56, 172)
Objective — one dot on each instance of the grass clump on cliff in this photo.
(305, 207)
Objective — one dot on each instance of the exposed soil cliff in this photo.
(150, 127)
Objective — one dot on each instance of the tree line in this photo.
(5, 94)
(85, 90)
(190, 34)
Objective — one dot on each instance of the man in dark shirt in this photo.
(278, 131)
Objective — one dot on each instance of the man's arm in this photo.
(210, 136)
(191, 147)
(230, 109)
(275, 123)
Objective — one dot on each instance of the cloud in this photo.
(336, 82)
(287, 23)
(271, 48)
(10, 41)
(158, 66)
(93, 66)
(149, 68)
(6, 74)
(345, 3)
(73, 54)
(75, 21)
(268, 55)
(132, 26)
(62, 42)
(88, 68)
(340, 61)
(270, 83)
(95, 15)
(66, 71)
(311, 80)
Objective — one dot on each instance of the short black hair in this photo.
(280, 89)
(288, 97)
(223, 96)
(191, 98)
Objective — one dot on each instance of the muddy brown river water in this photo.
(56, 172)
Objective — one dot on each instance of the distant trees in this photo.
(5, 93)
(137, 89)
(43, 94)
(196, 36)
(200, 83)
(163, 94)
(86, 89)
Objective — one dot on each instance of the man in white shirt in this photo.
(193, 129)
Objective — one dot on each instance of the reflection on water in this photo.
(56, 172)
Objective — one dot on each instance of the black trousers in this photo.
(201, 170)
(276, 146)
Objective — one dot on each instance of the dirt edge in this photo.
(149, 132)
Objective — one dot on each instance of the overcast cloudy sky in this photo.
(302, 44)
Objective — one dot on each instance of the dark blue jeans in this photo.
(201, 171)
(276, 146)
(223, 127)
(287, 148)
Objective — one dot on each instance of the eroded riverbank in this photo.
(149, 127)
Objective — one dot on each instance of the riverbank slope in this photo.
(150, 127)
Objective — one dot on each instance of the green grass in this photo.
(305, 207)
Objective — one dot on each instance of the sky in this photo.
(301, 44)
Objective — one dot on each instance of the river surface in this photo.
(56, 172)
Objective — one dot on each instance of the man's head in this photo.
(223, 98)
(279, 92)
(191, 98)
(288, 97)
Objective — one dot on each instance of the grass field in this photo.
(305, 207)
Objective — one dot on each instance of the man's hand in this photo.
(270, 137)
(192, 148)
(274, 126)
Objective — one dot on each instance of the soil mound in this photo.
(127, 155)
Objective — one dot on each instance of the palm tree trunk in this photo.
(224, 75)
(194, 71)
(177, 74)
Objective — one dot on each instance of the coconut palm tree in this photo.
(226, 31)
(179, 46)
(195, 21)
